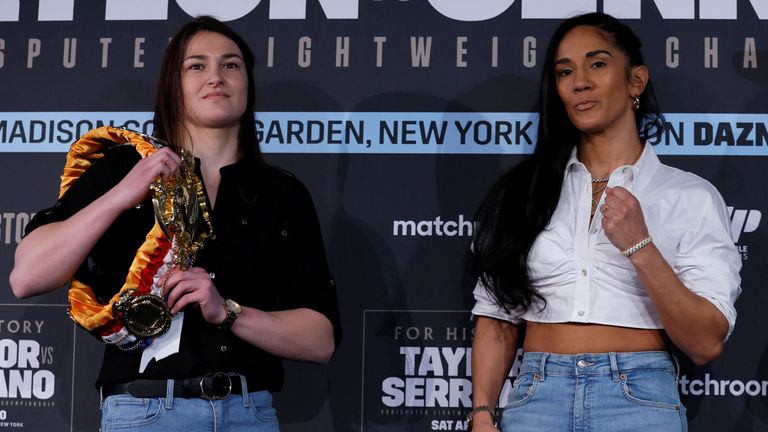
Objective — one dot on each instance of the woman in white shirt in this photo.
(595, 257)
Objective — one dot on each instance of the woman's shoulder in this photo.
(282, 177)
(678, 180)
(117, 159)
(103, 169)
(117, 153)
(688, 190)
(284, 182)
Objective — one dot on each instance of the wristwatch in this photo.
(233, 311)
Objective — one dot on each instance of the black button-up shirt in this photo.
(266, 252)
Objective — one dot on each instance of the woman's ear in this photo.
(638, 79)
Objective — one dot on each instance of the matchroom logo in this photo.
(742, 222)
(460, 227)
(715, 387)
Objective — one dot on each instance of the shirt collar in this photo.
(574, 164)
(573, 159)
(645, 167)
(242, 165)
(642, 171)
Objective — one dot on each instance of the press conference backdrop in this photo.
(398, 115)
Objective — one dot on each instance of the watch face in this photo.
(233, 306)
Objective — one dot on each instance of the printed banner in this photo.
(36, 369)
(417, 370)
(398, 133)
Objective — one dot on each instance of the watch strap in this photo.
(229, 319)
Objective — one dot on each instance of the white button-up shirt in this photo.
(585, 279)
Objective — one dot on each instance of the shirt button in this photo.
(244, 222)
(213, 236)
(584, 272)
(581, 313)
(284, 233)
(138, 206)
(212, 275)
(223, 348)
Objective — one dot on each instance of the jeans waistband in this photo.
(593, 364)
(212, 386)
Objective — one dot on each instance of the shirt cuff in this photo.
(484, 306)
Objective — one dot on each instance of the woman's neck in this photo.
(603, 154)
(214, 147)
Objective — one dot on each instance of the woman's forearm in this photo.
(692, 322)
(297, 334)
(493, 352)
(48, 257)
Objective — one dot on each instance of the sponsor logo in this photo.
(743, 221)
(715, 387)
(434, 228)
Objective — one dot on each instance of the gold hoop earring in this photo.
(636, 102)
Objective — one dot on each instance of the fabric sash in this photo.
(153, 259)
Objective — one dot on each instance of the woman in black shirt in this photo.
(259, 289)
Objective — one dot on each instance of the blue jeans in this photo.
(595, 393)
(252, 412)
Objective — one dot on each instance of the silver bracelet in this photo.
(477, 410)
(643, 243)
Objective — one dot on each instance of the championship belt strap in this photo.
(138, 313)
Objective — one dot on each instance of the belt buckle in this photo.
(210, 379)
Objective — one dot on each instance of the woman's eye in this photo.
(563, 73)
(231, 66)
(196, 66)
(598, 64)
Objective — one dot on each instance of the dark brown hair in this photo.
(169, 103)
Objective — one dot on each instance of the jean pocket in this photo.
(652, 388)
(122, 412)
(523, 389)
(262, 408)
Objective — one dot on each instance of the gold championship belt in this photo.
(138, 312)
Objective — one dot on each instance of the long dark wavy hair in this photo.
(169, 102)
(521, 203)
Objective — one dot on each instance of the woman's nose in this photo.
(214, 78)
(581, 81)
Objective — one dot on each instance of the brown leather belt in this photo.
(211, 386)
